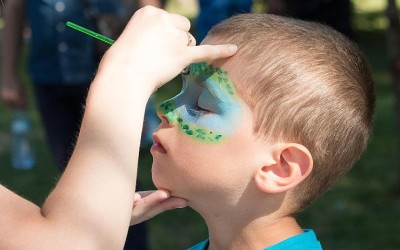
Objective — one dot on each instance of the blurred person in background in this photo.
(334, 13)
(62, 63)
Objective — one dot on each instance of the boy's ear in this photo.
(292, 164)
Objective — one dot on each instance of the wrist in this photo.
(128, 70)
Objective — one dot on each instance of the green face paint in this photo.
(208, 108)
(198, 133)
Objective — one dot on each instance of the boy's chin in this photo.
(159, 184)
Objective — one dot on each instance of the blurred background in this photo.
(361, 212)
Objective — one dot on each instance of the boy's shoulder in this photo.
(306, 240)
(200, 246)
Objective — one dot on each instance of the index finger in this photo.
(209, 52)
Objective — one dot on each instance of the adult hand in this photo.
(148, 204)
(156, 46)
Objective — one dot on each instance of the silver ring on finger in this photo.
(190, 38)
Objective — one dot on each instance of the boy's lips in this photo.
(157, 146)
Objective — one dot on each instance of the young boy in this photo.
(254, 139)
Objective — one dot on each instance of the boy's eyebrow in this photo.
(212, 91)
(197, 69)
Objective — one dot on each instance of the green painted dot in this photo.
(179, 120)
(185, 126)
(189, 132)
(201, 131)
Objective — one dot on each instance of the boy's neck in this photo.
(252, 222)
(257, 234)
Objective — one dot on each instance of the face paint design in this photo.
(208, 107)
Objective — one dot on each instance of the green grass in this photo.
(361, 212)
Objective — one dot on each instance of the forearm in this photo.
(90, 208)
(101, 175)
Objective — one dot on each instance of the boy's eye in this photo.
(203, 110)
(197, 111)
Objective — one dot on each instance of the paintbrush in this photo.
(90, 33)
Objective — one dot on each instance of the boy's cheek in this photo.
(199, 133)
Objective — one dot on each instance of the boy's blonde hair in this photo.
(306, 84)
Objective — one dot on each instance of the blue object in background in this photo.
(214, 11)
(22, 151)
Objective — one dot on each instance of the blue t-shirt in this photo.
(306, 240)
(59, 54)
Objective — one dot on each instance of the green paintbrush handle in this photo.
(91, 33)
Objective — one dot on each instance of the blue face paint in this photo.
(208, 106)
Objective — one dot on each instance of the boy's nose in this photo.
(161, 115)
(164, 119)
(166, 111)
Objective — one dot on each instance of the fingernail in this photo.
(232, 48)
(182, 205)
